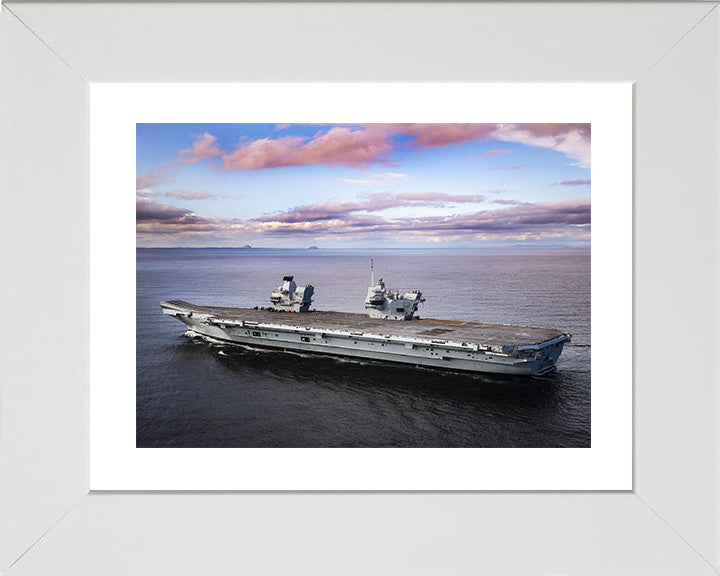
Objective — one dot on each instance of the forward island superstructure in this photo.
(390, 332)
(290, 298)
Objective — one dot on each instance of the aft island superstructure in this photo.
(389, 332)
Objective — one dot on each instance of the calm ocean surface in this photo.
(193, 394)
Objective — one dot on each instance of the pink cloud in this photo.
(339, 145)
(149, 209)
(558, 130)
(572, 183)
(330, 210)
(520, 221)
(570, 139)
(517, 167)
(155, 218)
(371, 203)
(433, 135)
(573, 140)
(153, 178)
(187, 195)
(567, 217)
(204, 147)
(509, 202)
(373, 143)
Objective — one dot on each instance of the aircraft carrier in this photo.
(389, 332)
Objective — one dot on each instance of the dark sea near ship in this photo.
(194, 394)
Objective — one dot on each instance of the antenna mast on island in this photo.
(372, 273)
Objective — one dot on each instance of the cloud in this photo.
(518, 167)
(572, 183)
(510, 202)
(381, 179)
(149, 209)
(520, 217)
(434, 135)
(145, 184)
(338, 146)
(438, 197)
(492, 153)
(155, 218)
(370, 203)
(520, 221)
(373, 143)
(187, 195)
(556, 218)
(205, 146)
(573, 140)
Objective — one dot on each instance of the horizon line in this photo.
(512, 247)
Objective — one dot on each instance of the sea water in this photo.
(194, 394)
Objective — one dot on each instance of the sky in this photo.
(363, 185)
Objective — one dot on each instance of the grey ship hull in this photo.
(441, 344)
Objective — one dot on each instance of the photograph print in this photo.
(363, 285)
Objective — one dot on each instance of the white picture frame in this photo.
(50, 523)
